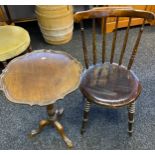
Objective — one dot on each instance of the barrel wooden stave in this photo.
(56, 23)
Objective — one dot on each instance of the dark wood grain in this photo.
(134, 52)
(104, 40)
(110, 85)
(112, 12)
(94, 41)
(114, 41)
(104, 13)
(125, 42)
(85, 52)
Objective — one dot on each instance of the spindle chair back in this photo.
(104, 13)
(110, 84)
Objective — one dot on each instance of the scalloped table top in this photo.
(40, 77)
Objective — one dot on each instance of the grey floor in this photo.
(107, 129)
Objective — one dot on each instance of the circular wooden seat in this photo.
(13, 41)
(110, 85)
(40, 77)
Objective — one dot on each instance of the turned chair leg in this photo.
(131, 112)
(85, 116)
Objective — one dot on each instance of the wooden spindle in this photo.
(104, 39)
(134, 51)
(85, 52)
(114, 41)
(125, 42)
(94, 41)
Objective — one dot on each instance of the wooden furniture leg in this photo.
(54, 115)
(60, 130)
(42, 125)
(85, 116)
(131, 112)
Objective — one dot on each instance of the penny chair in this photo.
(110, 84)
(14, 40)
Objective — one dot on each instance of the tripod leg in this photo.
(60, 130)
(42, 125)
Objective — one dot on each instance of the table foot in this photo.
(42, 125)
(60, 130)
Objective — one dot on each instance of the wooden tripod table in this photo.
(41, 78)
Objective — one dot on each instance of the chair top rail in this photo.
(113, 12)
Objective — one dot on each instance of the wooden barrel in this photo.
(55, 22)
